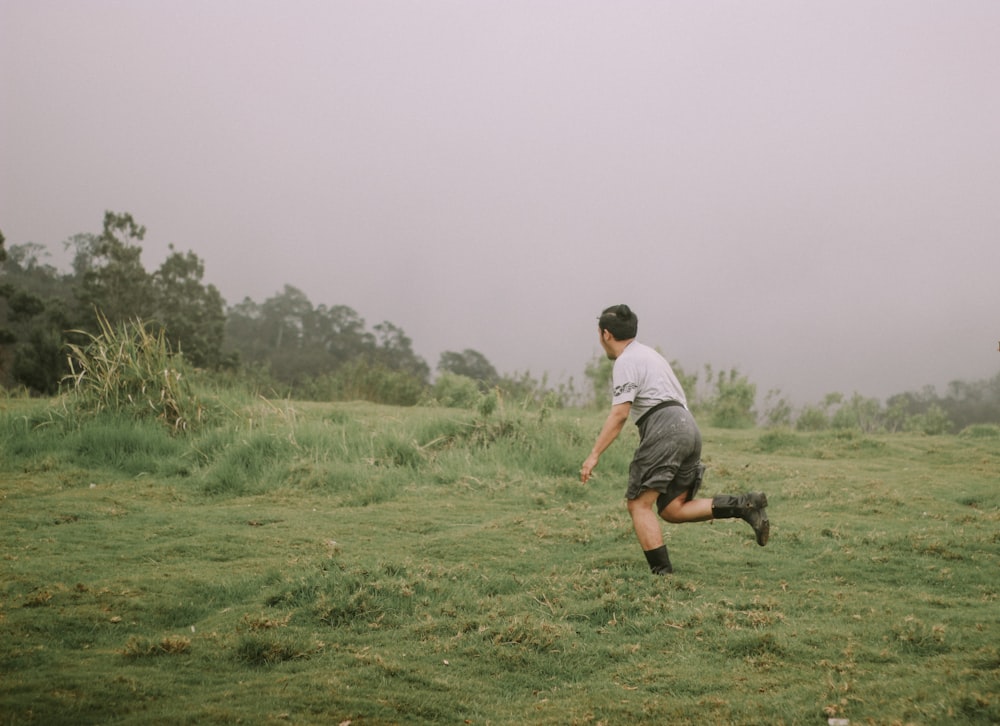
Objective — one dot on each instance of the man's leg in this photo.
(647, 526)
(751, 508)
(681, 509)
(647, 530)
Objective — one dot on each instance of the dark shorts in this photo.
(668, 458)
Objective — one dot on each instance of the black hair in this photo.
(620, 321)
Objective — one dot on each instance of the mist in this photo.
(804, 191)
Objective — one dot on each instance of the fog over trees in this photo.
(286, 345)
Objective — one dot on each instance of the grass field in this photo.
(325, 564)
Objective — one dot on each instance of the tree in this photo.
(860, 413)
(325, 351)
(968, 403)
(33, 315)
(731, 405)
(242, 337)
(286, 319)
(812, 418)
(598, 372)
(113, 279)
(689, 382)
(777, 409)
(817, 417)
(192, 314)
(279, 336)
(933, 422)
(471, 364)
(394, 349)
(899, 408)
(340, 332)
(39, 360)
(456, 391)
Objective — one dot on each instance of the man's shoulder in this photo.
(638, 350)
(634, 359)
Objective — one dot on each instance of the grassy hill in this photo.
(318, 564)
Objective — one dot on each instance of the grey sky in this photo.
(808, 191)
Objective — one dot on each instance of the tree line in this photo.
(287, 346)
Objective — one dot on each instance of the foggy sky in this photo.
(807, 191)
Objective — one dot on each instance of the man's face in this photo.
(606, 343)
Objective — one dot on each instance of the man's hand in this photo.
(609, 432)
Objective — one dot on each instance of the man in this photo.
(666, 470)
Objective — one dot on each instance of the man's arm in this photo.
(613, 425)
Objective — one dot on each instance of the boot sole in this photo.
(764, 530)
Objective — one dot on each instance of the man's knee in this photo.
(668, 506)
(642, 503)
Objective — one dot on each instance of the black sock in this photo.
(659, 560)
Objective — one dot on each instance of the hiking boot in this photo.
(751, 508)
(659, 561)
(755, 514)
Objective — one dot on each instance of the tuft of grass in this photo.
(259, 649)
(140, 647)
(128, 368)
(914, 636)
(247, 464)
(780, 440)
(132, 447)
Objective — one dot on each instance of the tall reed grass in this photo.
(129, 368)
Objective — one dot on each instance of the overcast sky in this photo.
(807, 191)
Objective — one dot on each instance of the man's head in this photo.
(620, 321)
(617, 325)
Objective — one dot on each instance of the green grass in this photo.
(316, 564)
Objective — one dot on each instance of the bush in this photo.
(777, 440)
(812, 418)
(456, 391)
(362, 380)
(982, 431)
(777, 411)
(732, 405)
(859, 413)
(933, 422)
(128, 369)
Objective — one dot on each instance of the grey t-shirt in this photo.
(644, 377)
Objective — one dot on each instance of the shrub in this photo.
(777, 411)
(729, 404)
(362, 380)
(812, 418)
(933, 422)
(860, 413)
(982, 431)
(129, 369)
(732, 405)
(777, 440)
(456, 391)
